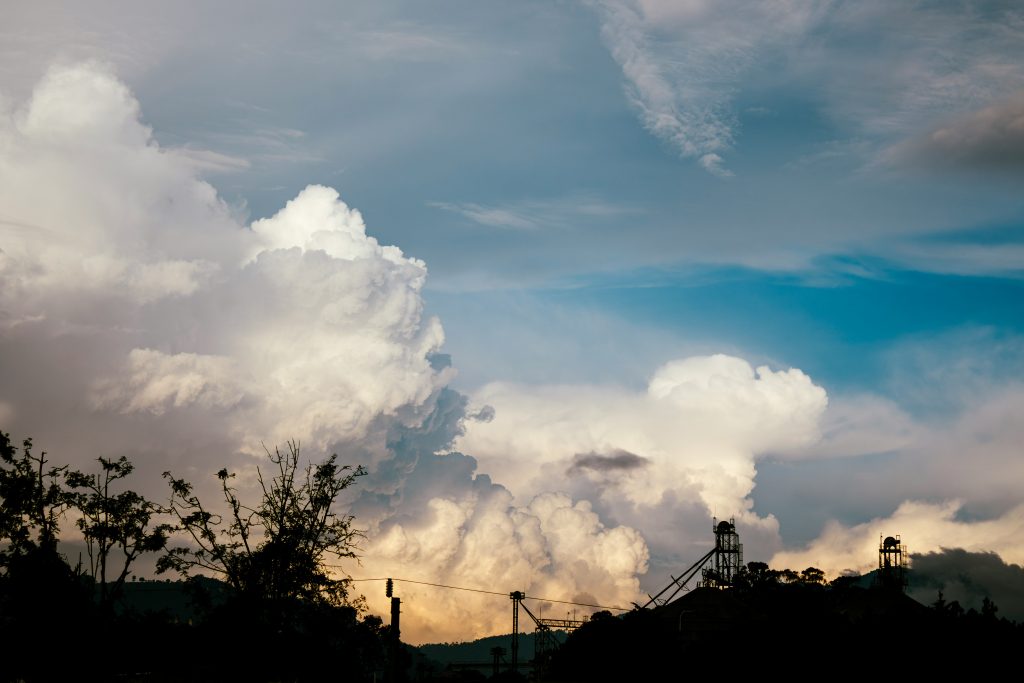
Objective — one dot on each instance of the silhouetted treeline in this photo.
(255, 600)
(274, 613)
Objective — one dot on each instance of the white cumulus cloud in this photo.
(90, 206)
(550, 548)
(298, 324)
(924, 527)
(155, 382)
(137, 308)
(702, 415)
(664, 460)
(140, 315)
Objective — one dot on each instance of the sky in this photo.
(570, 277)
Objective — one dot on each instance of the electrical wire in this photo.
(480, 590)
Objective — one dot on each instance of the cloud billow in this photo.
(701, 425)
(142, 315)
(300, 323)
(185, 337)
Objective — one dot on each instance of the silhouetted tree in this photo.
(788, 576)
(272, 557)
(755, 575)
(113, 521)
(39, 591)
(844, 582)
(276, 549)
(812, 575)
(758, 569)
(33, 500)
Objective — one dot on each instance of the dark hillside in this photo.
(786, 628)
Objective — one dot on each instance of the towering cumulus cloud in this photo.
(299, 325)
(664, 460)
(140, 315)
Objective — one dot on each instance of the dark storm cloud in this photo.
(987, 139)
(968, 578)
(485, 414)
(615, 460)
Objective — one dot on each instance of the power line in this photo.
(480, 590)
(581, 604)
(458, 588)
(437, 585)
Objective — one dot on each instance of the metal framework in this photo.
(728, 558)
(517, 598)
(678, 582)
(544, 642)
(892, 563)
(728, 555)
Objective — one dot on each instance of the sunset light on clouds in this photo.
(568, 279)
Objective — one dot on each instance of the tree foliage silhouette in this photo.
(277, 548)
(271, 555)
(33, 500)
(813, 575)
(38, 589)
(113, 521)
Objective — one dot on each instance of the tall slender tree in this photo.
(277, 548)
(119, 523)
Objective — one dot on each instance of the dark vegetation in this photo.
(272, 610)
(791, 623)
(255, 599)
(774, 621)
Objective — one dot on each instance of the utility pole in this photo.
(396, 613)
(516, 597)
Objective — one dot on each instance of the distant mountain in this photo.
(179, 600)
(480, 650)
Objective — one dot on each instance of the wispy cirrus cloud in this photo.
(693, 119)
(491, 216)
(879, 70)
(409, 44)
(961, 258)
(210, 161)
(263, 143)
(532, 214)
(684, 63)
(894, 70)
